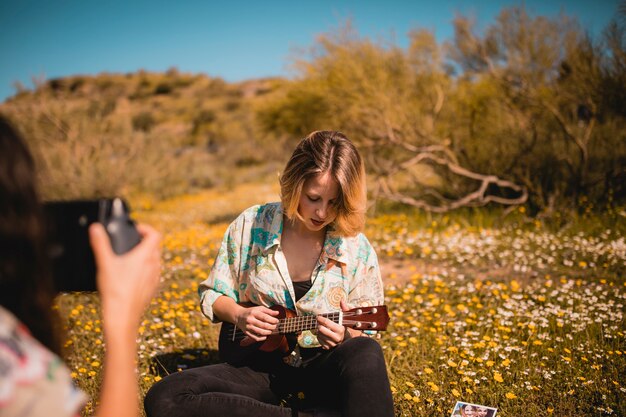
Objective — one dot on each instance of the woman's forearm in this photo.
(126, 284)
(227, 309)
(119, 393)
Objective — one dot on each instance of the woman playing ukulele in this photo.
(307, 254)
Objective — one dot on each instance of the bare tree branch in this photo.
(478, 197)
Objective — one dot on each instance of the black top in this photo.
(301, 288)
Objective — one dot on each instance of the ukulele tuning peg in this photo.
(374, 310)
(359, 311)
(374, 325)
(358, 324)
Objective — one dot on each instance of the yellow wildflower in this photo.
(433, 386)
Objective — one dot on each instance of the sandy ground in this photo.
(400, 271)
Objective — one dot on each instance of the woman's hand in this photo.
(126, 282)
(329, 333)
(256, 322)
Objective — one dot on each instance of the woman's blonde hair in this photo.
(328, 151)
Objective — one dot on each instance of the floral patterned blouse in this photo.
(251, 267)
(33, 381)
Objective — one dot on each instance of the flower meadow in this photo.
(545, 335)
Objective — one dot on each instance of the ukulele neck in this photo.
(301, 323)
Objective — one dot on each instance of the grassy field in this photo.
(513, 316)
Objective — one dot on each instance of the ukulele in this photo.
(235, 347)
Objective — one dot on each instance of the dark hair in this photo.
(25, 281)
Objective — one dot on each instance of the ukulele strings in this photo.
(299, 323)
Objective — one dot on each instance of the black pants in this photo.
(350, 380)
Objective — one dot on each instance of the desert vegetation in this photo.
(528, 111)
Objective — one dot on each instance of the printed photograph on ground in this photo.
(462, 409)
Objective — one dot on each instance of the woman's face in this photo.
(480, 412)
(469, 411)
(317, 201)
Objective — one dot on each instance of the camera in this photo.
(67, 238)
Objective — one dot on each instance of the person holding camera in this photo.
(305, 253)
(33, 379)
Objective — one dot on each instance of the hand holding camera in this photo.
(128, 281)
(95, 245)
(68, 242)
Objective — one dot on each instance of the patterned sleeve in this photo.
(33, 381)
(368, 285)
(224, 276)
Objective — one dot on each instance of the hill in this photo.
(153, 133)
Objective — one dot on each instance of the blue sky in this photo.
(234, 39)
